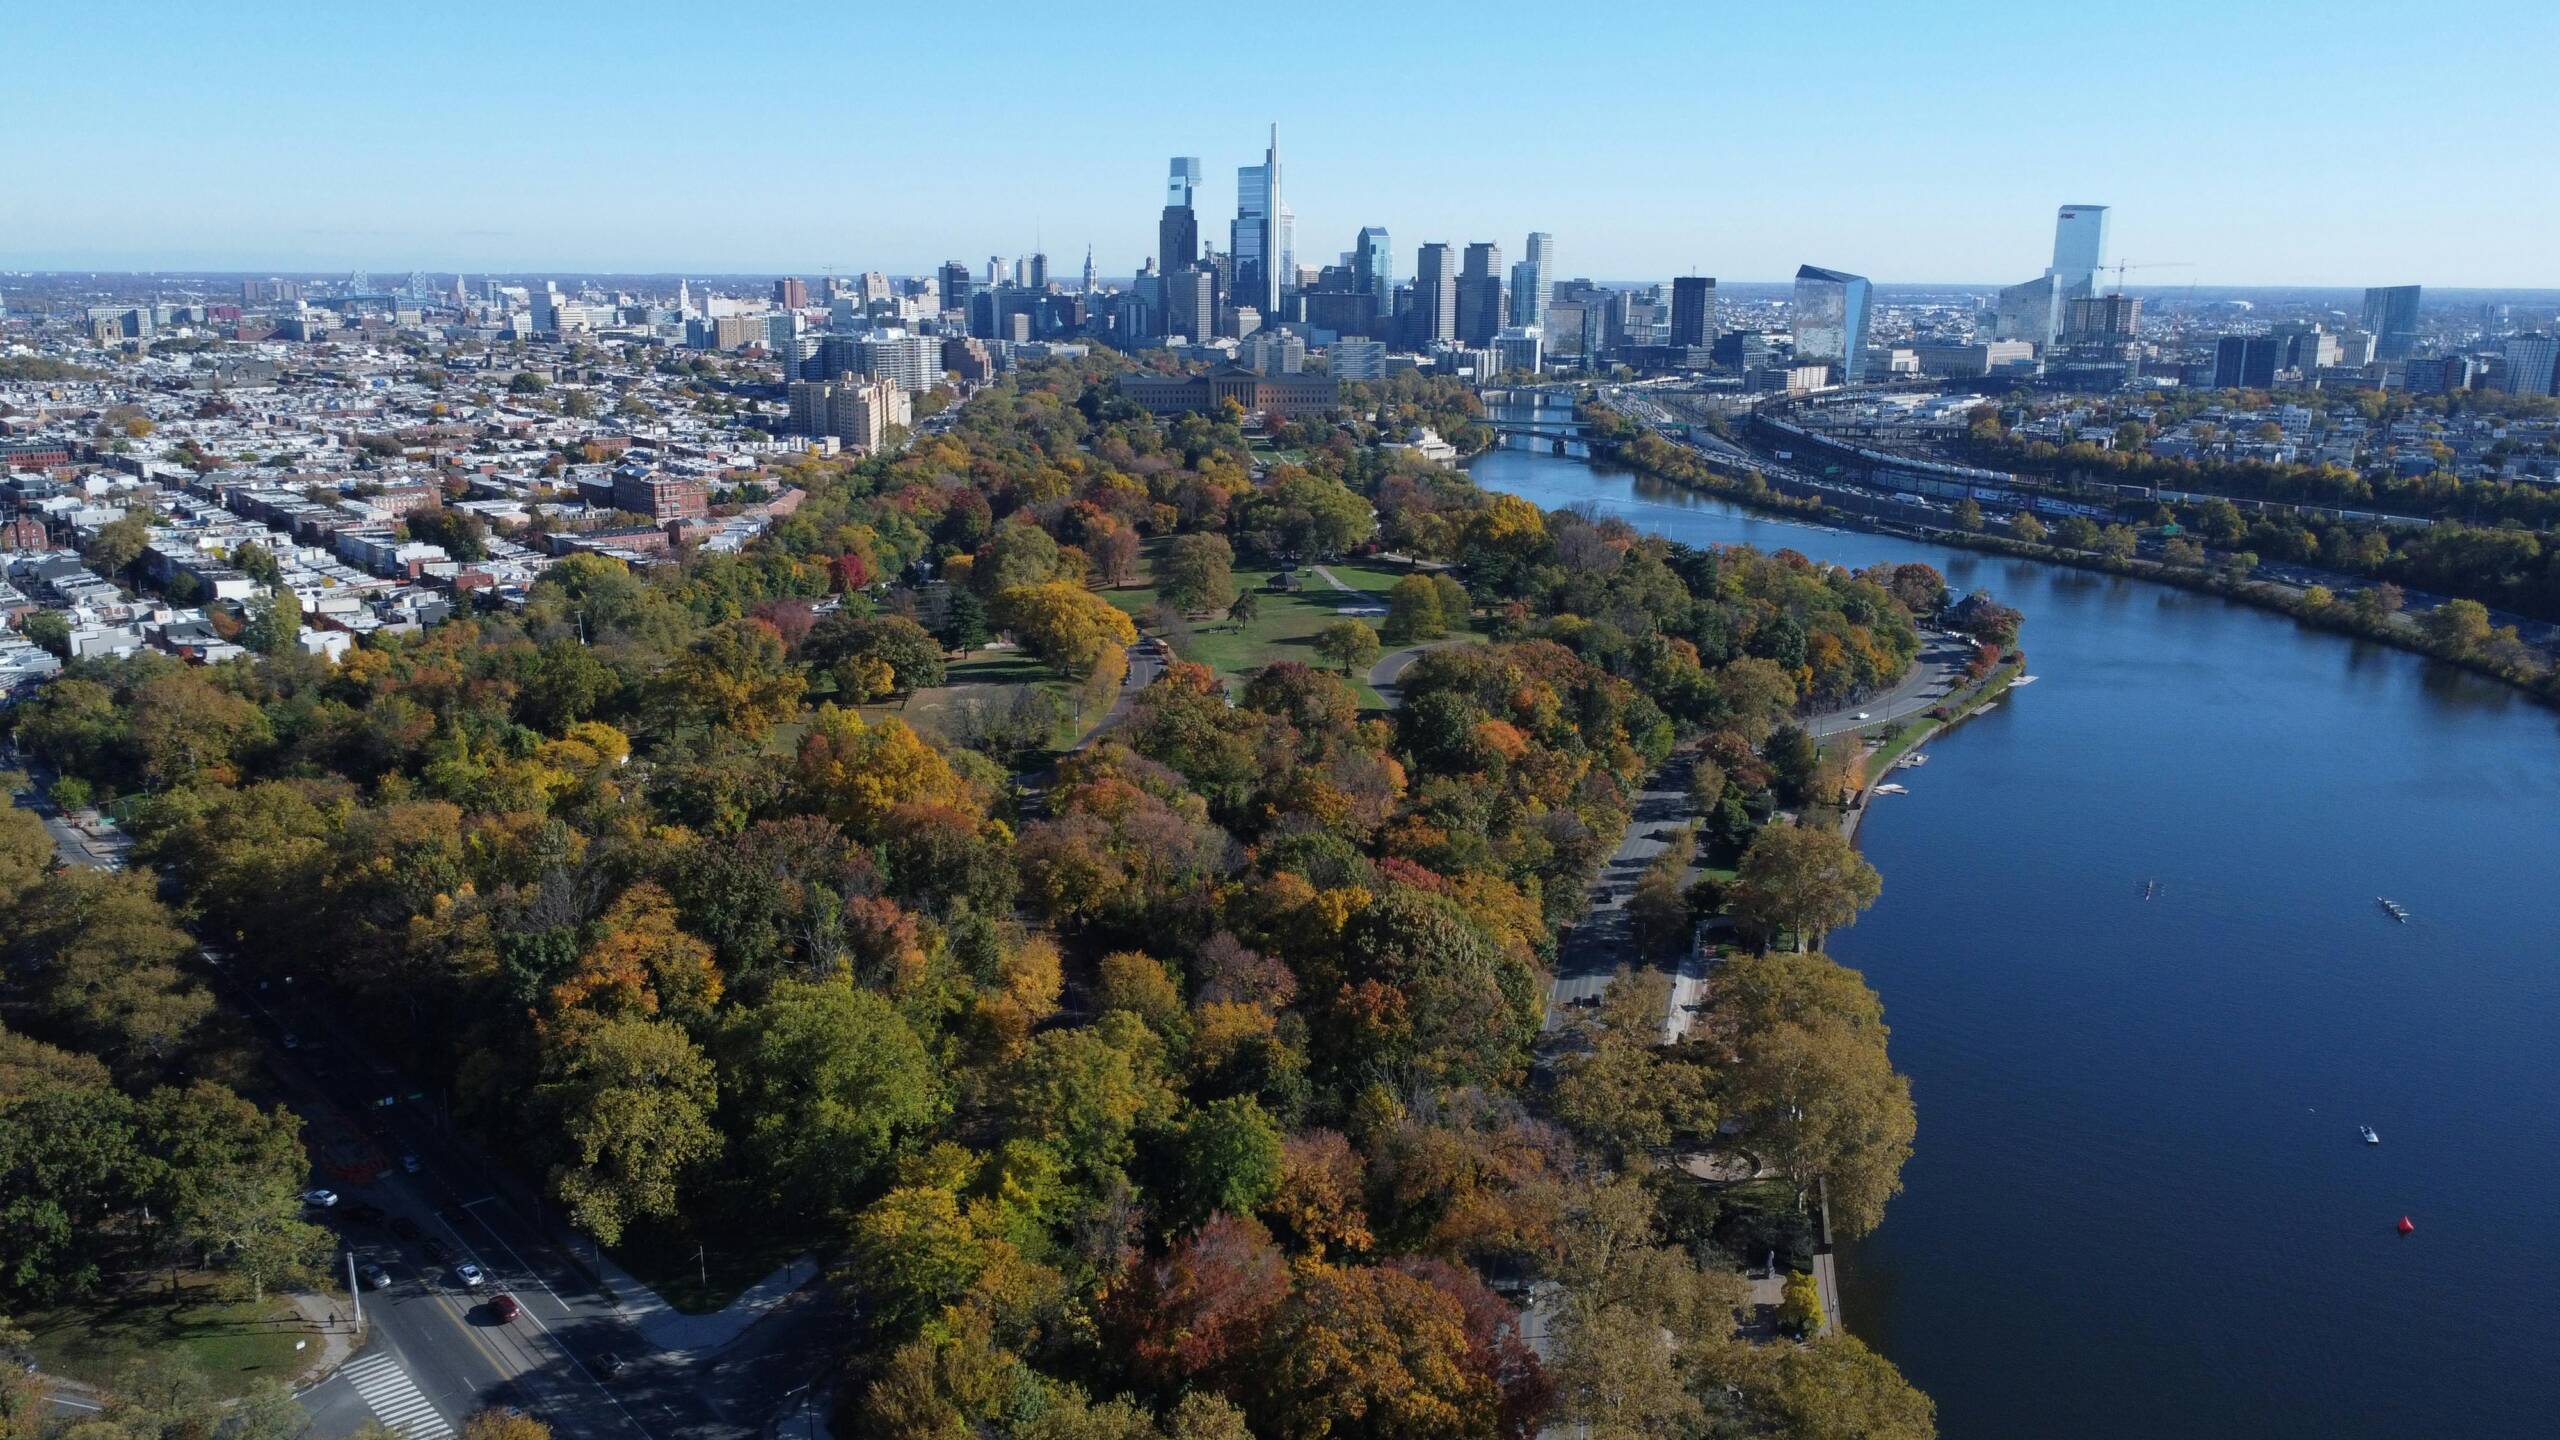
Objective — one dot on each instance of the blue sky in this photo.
(2337, 143)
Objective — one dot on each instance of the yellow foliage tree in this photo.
(1064, 624)
(855, 774)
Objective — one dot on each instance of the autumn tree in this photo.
(857, 774)
(824, 1081)
(1372, 1354)
(1198, 573)
(1413, 612)
(1065, 625)
(874, 655)
(736, 677)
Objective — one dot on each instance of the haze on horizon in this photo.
(2282, 144)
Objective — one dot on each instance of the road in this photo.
(1937, 670)
(1591, 952)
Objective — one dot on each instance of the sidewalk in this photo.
(668, 1328)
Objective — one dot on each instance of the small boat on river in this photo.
(2022, 680)
(2369, 1137)
(1891, 790)
(2394, 909)
(1912, 761)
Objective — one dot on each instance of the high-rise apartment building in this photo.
(2248, 362)
(2533, 365)
(791, 292)
(1256, 238)
(2103, 317)
(2079, 248)
(2391, 317)
(1356, 357)
(1693, 311)
(1830, 320)
(1373, 270)
(1533, 281)
(1435, 295)
(856, 412)
(1480, 294)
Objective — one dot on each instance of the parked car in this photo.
(471, 1276)
(504, 1306)
(319, 1199)
(610, 1364)
(375, 1277)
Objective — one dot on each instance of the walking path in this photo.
(668, 1328)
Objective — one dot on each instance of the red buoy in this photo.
(2405, 1226)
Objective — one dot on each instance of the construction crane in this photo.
(2122, 266)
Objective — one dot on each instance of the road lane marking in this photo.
(556, 1342)
(394, 1398)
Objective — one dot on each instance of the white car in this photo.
(1863, 715)
(320, 1199)
(469, 1274)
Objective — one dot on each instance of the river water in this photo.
(2138, 1204)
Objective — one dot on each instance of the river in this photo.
(2138, 1204)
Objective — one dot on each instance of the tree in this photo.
(26, 854)
(1350, 644)
(120, 542)
(1230, 1158)
(1372, 1354)
(964, 624)
(1413, 611)
(642, 963)
(504, 1424)
(1198, 574)
(275, 623)
(2118, 542)
(1805, 879)
(49, 630)
(1201, 1312)
(823, 1082)
(1833, 1388)
(2027, 528)
(633, 1098)
(1968, 516)
(905, 650)
(106, 953)
(1813, 1082)
(2457, 627)
(856, 774)
(1065, 625)
(736, 677)
(1757, 693)
(1247, 605)
(229, 1181)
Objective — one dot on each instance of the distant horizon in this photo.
(354, 138)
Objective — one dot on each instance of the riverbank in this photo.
(2399, 632)
(1911, 737)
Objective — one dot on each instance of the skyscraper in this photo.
(2391, 317)
(1255, 238)
(1088, 269)
(1191, 303)
(1037, 271)
(1373, 269)
(1831, 321)
(1435, 295)
(1533, 281)
(2247, 361)
(1693, 311)
(2533, 365)
(2079, 248)
(1480, 294)
(1178, 232)
(2031, 312)
(956, 285)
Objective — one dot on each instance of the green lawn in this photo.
(1284, 626)
(236, 1343)
(991, 670)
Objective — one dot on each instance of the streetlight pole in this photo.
(355, 1289)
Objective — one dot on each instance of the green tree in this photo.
(909, 653)
(823, 1082)
(1413, 612)
(1247, 605)
(1349, 644)
(120, 542)
(1230, 1158)
(107, 951)
(275, 623)
(1198, 573)
(1804, 879)
(50, 630)
(736, 677)
(2027, 528)
(2457, 627)
(230, 1177)
(964, 624)
(1968, 516)
(633, 1098)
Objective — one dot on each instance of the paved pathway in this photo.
(668, 1328)
(1938, 669)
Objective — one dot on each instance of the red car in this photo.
(504, 1306)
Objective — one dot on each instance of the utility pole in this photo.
(701, 1266)
(355, 1290)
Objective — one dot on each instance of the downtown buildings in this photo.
(1830, 321)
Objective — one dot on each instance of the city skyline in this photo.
(1924, 170)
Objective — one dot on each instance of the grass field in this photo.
(988, 671)
(1285, 624)
(235, 1342)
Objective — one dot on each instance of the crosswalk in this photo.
(394, 1398)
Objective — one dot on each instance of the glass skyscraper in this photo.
(1831, 321)
(1373, 269)
(1533, 281)
(1256, 240)
(2391, 318)
(2079, 248)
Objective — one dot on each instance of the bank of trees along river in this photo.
(1197, 1103)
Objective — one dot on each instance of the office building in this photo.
(2248, 362)
(1975, 360)
(2533, 365)
(1190, 303)
(1830, 321)
(2391, 317)
(1255, 238)
(1373, 270)
(1533, 281)
(1273, 352)
(791, 292)
(2079, 248)
(1693, 310)
(910, 362)
(1522, 348)
(1356, 357)
(1480, 294)
(1435, 296)
(2437, 374)
(2031, 312)
(956, 286)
